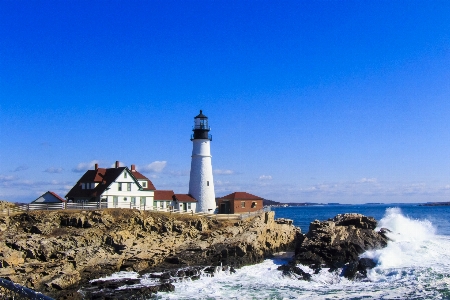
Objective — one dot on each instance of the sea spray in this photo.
(410, 241)
(414, 265)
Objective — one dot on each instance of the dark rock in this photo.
(338, 242)
(366, 263)
(289, 269)
(166, 287)
(349, 270)
(173, 260)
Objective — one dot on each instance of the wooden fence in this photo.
(20, 208)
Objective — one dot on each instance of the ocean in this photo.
(414, 265)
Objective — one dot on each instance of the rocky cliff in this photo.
(56, 252)
(337, 243)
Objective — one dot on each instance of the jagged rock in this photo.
(55, 252)
(338, 242)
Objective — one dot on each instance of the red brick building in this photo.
(239, 202)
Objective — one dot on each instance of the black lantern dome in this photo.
(201, 128)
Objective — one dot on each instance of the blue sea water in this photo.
(414, 265)
(439, 216)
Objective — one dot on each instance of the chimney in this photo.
(133, 168)
(117, 163)
(96, 166)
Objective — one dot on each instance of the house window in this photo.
(82, 186)
(133, 200)
(189, 205)
(115, 200)
(125, 174)
(155, 203)
(144, 184)
(242, 204)
(143, 201)
(125, 199)
(161, 204)
(167, 203)
(119, 186)
(129, 186)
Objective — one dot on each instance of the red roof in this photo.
(163, 195)
(185, 198)
(104, 178)
(241, 196)
(137, 175)
(56, 196)
(51, 193)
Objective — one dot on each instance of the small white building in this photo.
(117, 187)
(167, 200)
(49, 197)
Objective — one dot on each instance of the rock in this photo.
(57, 252)
(339, 241)
(289, 270)
(357, 220)
(350, 269)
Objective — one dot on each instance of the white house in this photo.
(114, 187)
(167, 200)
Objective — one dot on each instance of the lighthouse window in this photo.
(207, 183)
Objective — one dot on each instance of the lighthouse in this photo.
(201, 185)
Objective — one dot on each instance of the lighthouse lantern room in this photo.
(201, 185)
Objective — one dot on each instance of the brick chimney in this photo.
(133, 168)
(117, 163)
(96, 166)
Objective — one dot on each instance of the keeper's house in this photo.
(114, 187)
(239, 202)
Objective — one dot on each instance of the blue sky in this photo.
(308, 101)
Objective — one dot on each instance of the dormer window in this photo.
(144, 184)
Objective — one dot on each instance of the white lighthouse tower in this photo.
(201, 185)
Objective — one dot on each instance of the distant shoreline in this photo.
(435, 204)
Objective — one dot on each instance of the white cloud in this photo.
(368, 180)
(223, 172)
(265, 177)
(54, 170)
(84, 166)
(218, 183)
(156, 166)
(6, 178)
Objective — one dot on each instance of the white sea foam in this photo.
(414, 265)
